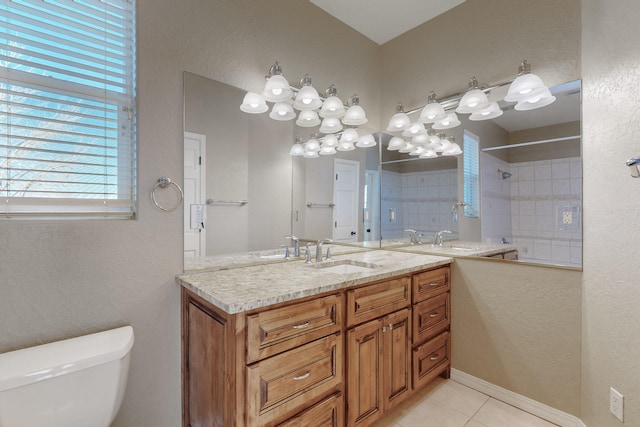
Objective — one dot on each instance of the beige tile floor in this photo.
(446, 403)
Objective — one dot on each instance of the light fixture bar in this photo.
(542, 141)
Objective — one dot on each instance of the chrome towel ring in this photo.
(163, 183)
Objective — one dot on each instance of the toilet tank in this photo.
(78, 382)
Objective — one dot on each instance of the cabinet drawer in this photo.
(370, 302)
(430, 317)
(430, 283)
(431, 359)
(282, 385)
(327, 413)
(277, 330)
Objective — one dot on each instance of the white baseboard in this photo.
(514, 399)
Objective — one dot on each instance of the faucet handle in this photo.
(307, 255)
(328, 253)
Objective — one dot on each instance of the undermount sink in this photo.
(346, 266)
(274, 256)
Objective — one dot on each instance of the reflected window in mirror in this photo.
(471, 175)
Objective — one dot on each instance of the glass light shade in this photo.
(355, 116)
(327, 151)
(472, 101)
(366, 141)
(311, 155)
(346, 146)
(537, 101)
(396, 143)
(416, 128)
(332, 107)
(330, 141)
(254, 103)
(422, 139)
(399, 122)
(296, 150)
(525, 86)
(307, 99)
(429, 153)
(277, 89)
(308, 119)
(432, 112)
(452, 150)
(408, 147)
(282, 111)
(330, 125)
(491, 112)
(418, 151)
(448, 122)
(444, 145)
(349, 135)
(312, 145)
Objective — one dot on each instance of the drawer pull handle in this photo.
(303, 325)
(434, 357)
(434, 284)
(302, 377)
(434, 314)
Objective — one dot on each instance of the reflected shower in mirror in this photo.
(237, 174)
(525, 191)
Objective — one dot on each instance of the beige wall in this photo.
(611, 295)
(66, 278)
(518, 327)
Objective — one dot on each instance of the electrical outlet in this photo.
(616, 403)
(567, 217)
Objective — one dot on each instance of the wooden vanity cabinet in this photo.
(332, 360)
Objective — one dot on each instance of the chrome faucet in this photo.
(319, 248)
(437, 238)
(415, 236)
(296, 244)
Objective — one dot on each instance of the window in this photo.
(67, 125)
(471, 172)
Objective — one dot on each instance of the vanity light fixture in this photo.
(414, 129)
(355, 115)
(449, 122)
(308, 119)
(453, 149)
(528, 90)
(307, 97)
(312, 144)
(490, 112)
(400, 120)
(474, 100)
(330, 125)
(297, 149)
(282, 111)
(254, 103)
(332, 106)
(396, 143)
(366, 141)
(330, 141)
(433, 111)
(277, 87)
(349, 135)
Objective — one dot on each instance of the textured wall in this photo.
(62, 279)
(518, 326)
(611, 295)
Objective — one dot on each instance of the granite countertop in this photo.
(241, 289)
(244, 259)
(460, 248)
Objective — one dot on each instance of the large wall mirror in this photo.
(527, 184)
(244, 192)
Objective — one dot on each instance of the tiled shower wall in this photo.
(544, 196)
(421, 200)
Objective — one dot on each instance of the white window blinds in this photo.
(67, 125)
(471, 175)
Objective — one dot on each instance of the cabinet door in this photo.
(364, 378)
(396, 336)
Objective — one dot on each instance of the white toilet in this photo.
(78, 382)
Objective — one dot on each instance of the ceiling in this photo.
(383, 20)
